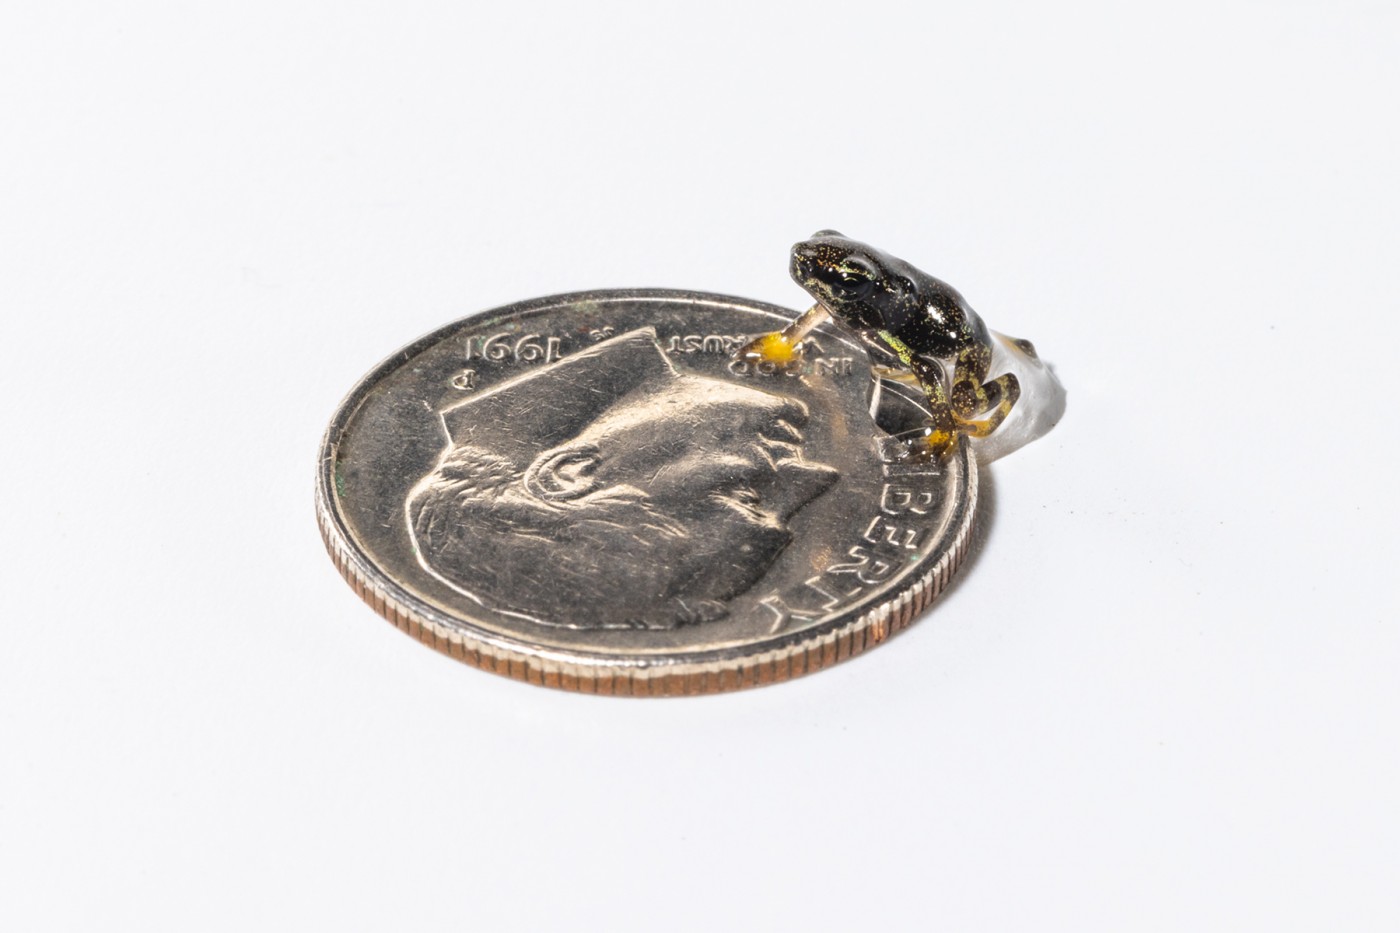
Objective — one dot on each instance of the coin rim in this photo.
(682, 673)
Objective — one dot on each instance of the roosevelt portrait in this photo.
(609, 490)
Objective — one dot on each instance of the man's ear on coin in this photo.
(563, 473)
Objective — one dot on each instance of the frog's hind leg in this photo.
(941, 437)
(971, 396)
(1001, 394)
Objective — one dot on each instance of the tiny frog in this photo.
(923, 321)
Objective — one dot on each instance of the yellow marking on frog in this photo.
(940, 441)
(786, 345)
(900, 348)
(774, 348)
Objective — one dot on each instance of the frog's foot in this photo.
(970, 399)
(939, 445)
(785, 345)
(928, 446)
(940, 437)
(770, 348)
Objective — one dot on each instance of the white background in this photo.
(1164, 696)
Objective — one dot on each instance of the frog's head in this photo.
(863, 287)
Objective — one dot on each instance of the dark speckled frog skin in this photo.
(924, 321)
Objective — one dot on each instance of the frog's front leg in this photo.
(971, 396)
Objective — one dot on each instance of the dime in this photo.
(592, 492)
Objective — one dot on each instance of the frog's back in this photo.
(945, 323)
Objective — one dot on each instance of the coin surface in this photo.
(590, 492)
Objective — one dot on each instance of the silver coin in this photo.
(591, 492)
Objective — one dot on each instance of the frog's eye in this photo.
(852, 287)
(853, 279)
(856, 268)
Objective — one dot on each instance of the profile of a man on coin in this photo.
(609, 490)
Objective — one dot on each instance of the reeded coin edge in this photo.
(652, 676)
(679, 674)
